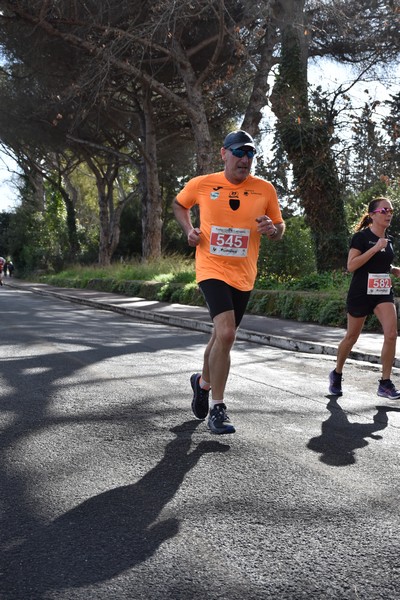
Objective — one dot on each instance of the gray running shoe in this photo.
(218, 420)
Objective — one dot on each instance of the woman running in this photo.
(370, 260)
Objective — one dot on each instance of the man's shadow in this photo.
(106, 534)
(340, 438)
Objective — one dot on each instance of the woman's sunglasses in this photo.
(383, 211)
(240, 152)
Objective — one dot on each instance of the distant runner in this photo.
(2, 264)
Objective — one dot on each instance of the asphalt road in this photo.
(109, 489)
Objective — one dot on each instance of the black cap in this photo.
(237, 139)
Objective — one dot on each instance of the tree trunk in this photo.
(108, 216)
(308, 142)
(260, 89)
(197, 113)
(151, 196)
(104, 218)
(74, 247)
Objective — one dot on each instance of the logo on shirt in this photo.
(214, 195)
(234, 201)
(252, 193)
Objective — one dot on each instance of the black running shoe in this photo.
(335, 383)
(200, 397)
(218, 420)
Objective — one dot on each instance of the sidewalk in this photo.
(279, 333)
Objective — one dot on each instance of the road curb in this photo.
(282, 342)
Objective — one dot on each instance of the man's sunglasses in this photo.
(383, 211)
(240, 152)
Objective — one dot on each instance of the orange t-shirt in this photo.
(229, 240)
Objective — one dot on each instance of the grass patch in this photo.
(172, 269)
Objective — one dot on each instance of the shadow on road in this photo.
(106, 534)
(340, 438)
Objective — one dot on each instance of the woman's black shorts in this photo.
(221, 297)
(365, 305)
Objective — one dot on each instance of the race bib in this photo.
(379, 283)
(226, 241)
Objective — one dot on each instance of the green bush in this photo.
(310, 309)
(333, 313)
(190, 294)
(104, 285)
(313, 307)
(321, 281)
(167, 292)
(130, 288)
(372, 324)
(288, 305)
(179, 277)
(293, 255)
(264, 303)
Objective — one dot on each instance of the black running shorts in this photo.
(366, 306)
(221, 297)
